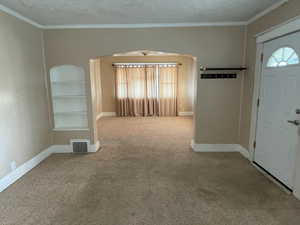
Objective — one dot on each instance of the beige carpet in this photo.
(146, 174)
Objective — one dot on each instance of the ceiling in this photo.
(71, 12)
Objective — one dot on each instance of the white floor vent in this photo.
(80, 146)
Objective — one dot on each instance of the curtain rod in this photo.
(154, 63)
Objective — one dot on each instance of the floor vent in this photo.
(80, 146)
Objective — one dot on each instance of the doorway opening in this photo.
(150, 89)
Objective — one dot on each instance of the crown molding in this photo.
(145, 25)
(266, 11)
(19, 16)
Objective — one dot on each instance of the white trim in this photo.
(13, 176)
(61, 149)
(220, 148)
(106, 114)
(266, 11)
(99, 116)
(145, 25)
(23, 169)
(243, 151)
(256, 94)
(95, 147)
(296, 194)
(282, 29)
(185, 113)
(19, 16)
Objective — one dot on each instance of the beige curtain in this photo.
(168, 76)
(136, 91)
(146, 90)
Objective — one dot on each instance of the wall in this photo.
(213, 46)
(24, 127)
(279, 15)
(185, 79)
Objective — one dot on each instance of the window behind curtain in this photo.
(146, 90)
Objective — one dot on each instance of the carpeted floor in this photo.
(146, 174)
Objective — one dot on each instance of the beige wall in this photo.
(285, 12)
(280, 15)
(185, 79)
(213, 46)
(24, 126)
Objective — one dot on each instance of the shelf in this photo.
(69, 99)
(69, 96)
(71, 129)
(71, 112)
(68, 82)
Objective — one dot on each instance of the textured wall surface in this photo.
(24, 126)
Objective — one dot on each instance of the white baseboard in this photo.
(243, 151)
(296, 194)
(185, 113)
(98, 116)
(219, 148)
(12, 177)
(61, 149)
(95, 147)
(105, 114)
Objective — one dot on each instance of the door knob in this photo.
(295, 122)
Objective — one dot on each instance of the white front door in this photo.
(278, 116)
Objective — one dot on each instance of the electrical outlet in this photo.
(13, 165)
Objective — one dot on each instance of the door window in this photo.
(283, 57)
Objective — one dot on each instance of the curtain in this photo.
(168, 91)
(146, 90)
(136, 91)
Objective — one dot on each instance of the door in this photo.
(278, 112)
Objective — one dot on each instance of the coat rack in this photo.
(220, 75)
(223, 68)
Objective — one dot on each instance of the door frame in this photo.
(286, 28)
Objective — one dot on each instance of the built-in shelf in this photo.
(71, 82)
(69, 98)
(70, 112)
(71, 129)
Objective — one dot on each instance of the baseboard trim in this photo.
(106, 114)
(15, 175)
(12, 177)
(220, 148)
(95, 147)
(99, 116)
(243, 151)
(296, 194)
(56, 149)
(185, 113)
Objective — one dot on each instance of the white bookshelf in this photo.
(69, 98)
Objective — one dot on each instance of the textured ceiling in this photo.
(60, 12)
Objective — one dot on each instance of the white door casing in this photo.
(276, 139)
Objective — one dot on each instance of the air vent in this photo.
(80, 146)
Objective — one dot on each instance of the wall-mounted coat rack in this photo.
(220, 75)
(222, 69)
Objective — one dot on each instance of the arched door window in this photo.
(283, 57)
